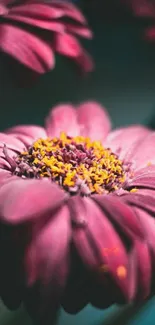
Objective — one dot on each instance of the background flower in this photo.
(32, 32)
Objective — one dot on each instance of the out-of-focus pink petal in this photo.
(85, 61)
(150, 33)
(79, 30)
(38, 14)
(92, 240)
(125, 141)
(93, 120)
(49, 25)
(69, 10)
(33, 132)
(3, 9)
(28, 49)
(62, 118)
(143, 8)
(38, 11)
(67, 44)
(46, 265)
(145, 152)
(22, 200)
(11, 142)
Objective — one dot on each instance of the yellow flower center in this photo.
(76, 164)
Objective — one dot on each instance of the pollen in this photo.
(121, 271)
(77, 164)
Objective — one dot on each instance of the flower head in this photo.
(31, 32)
(77, 207)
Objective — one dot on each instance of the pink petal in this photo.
(79, 30)
(26, 48)
(11, 142)
(145, 152)
(46, 263)
(49, 25)
(144, 171)
(98, 235)
(32, 132)
(4, 174)
(144, 181)
(38, 11)
(125, 141)
(67, 45)
(22, 200)
(70, 10)
(27, 141)
(94, 120)
(3, 9)
(85, 61)
(62, 118)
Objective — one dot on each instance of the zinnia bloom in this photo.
(77, 207)
(31, 32)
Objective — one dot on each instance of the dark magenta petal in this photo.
(96, 239)
(144, 206)
(121, 215)
(46, 267)
(144, 270)
(93, 120)
(22, 200)
(27, 48)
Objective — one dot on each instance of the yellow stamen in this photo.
(99, 168)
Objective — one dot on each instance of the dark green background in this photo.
(124, 82)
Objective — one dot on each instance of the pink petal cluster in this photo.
(73, 250)
(32, 32)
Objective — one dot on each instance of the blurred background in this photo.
(123, 81)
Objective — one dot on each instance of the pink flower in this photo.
(31, 32)
(68, 192)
